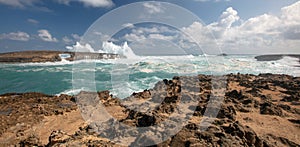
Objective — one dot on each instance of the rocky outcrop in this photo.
(252, 111)
(50, 56)
(275, 57)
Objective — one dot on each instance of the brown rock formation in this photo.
(258, 111)
(50, 56)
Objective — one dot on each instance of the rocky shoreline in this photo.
(261, 110)
(51, 56)
(55, 56)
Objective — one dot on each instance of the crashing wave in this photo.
(107, 47)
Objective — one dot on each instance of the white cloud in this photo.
(150, 32)
(18, 3)
(261, 34)
(19, 36)
(97, 3)
(134, 37)
(89, 3)
(33, 21)
(198, 32)
(46, 36)
(37, 5)
(291, 14)
(229, 17)
(155, 38)
(76, 37)
(128, 25)
(102, 37)
(153, 8)
(67, 40)
(71, 39)
(161, 37)
(261, 24)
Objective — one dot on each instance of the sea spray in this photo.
(107, 47)
(125, 50)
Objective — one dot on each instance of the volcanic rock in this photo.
(245, 110)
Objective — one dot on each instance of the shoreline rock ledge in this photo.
(257, 110)
(51, 56)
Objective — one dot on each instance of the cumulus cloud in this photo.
(46, 36)
(198, 32)
(18, 36)
(67, 40)
(265, 33)
(153, 8)
(134, 37)
(71, 39)
(229, 17)
(150, 32)
(76, 37)
(89, 3)
(291, 14)
(152, 37)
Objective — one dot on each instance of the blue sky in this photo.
(55, 24)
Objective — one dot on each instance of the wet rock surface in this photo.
(249, 110)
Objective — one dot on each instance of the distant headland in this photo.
(51, 56)
(56, 56)
(275, 57)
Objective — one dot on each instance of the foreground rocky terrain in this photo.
(251, 110)
(50, 56)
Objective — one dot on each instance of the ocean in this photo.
(125, 76)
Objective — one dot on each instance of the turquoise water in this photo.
(46, 79)
(142, 73)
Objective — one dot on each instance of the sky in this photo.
(232, 26)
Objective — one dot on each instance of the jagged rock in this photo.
(270, 109)
(291, 98)
(30, 141)
(145, 120)
(235, 94)
(146, 94)
(58, 137)
(227, 112)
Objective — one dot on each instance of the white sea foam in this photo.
(78, 47)
(109, 47)
(62, 62)
(70, 92)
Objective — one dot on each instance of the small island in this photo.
(275, 57)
